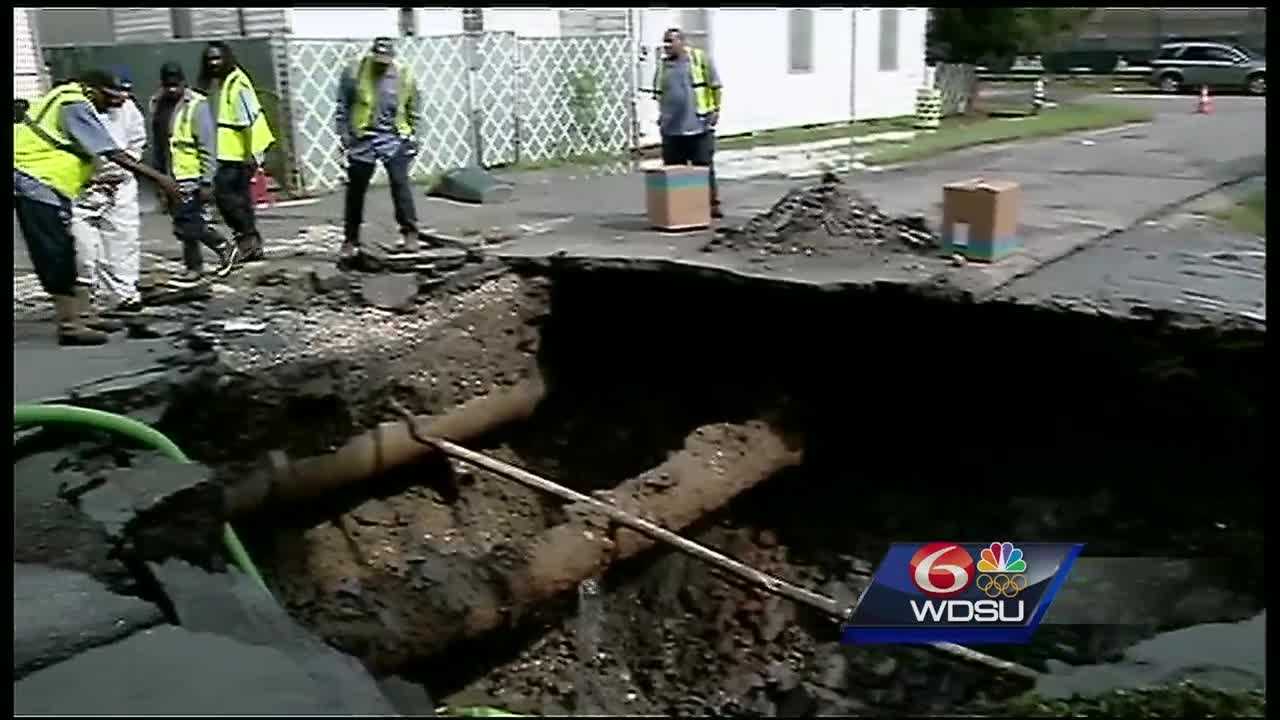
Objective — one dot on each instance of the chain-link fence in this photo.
(486, 97)
(575, 96)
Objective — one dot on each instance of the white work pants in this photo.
(105, 225)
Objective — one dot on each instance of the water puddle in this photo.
(589, 698)
(1224, 656)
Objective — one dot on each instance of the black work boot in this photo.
(250, 248)
(188, 279)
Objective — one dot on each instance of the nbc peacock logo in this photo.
(1001, 567)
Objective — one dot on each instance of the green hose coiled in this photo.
(25, 415)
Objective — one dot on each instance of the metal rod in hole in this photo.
(778, 587)
(653, 530)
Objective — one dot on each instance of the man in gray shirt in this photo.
(688, 90)
(377, 121)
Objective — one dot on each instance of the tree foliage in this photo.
(969, 34)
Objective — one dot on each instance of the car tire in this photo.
(1256, 84)
(1170, 84)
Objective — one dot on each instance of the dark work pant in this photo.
(47, 231)
(358, 176)
(231, 192)
(193, 226)
(698, 150)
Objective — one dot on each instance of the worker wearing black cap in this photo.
(184, 147)
(53, 159)
(377, 121)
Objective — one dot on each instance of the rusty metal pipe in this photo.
(693, 482)
(388, 445)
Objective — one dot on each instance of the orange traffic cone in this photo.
(1205, 105)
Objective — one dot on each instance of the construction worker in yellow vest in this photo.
(242, 140)
(185, 147)
(688, 90)
(55, 151)
(377, 120)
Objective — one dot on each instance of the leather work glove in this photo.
(411, 147)
(713, 119)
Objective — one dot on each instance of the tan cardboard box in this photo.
(980, 218)
(678, 197)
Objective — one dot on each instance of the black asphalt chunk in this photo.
(58, 613)
(160, 509)
(233, 606)
(173, 671)
(49, 530)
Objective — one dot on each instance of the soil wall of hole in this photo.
(922, 419)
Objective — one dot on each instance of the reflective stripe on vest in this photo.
(42, 150)
(703, 94)
(184, 149)
(233, 145)
(366, 98)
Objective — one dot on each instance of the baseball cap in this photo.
(108, 82)
(171, 73)
(384, 50)
(124, 80)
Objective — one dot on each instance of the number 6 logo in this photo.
(941, 569)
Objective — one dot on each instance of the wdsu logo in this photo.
(963, 593)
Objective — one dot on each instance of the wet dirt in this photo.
(823, 219)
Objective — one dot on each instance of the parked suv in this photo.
(1220, 67)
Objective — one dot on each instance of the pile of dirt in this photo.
(826, 219)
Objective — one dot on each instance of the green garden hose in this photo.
(25, 415)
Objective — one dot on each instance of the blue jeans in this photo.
(358, 176)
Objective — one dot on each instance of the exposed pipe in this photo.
(795, 593)
(389, 445)
(651, 530)
(485, 594)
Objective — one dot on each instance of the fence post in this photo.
(472, 49)
(633, 82)
(279, 47)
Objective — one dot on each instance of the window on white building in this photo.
(888, 40)
(472, 20)
(181, 19)
(408, 22)
(800, 40)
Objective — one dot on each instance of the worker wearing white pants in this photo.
(105, 219)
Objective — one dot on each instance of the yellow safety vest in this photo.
(42, 150)
(706, 99)
(233, 146)
(366, 98)
(184, 148)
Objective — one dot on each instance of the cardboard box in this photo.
(980, 219)
(678, 197)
